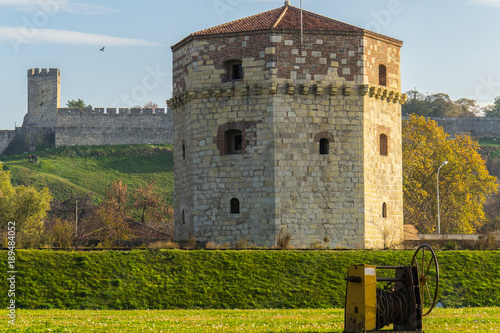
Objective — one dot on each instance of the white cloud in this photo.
(493, 3)
(55, 6)
(22, 35)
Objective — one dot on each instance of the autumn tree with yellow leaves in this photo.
(464, 183)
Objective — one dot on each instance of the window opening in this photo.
(235, 206)
(324, 147)
(382, 75)
(234, 70)
(384, 210)
(183, 217)
(234, 141)
(384, 150)
(183, 151)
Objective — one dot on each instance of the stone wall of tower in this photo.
(206, 178)
(383, 171)
(44, 97)
(292, 97)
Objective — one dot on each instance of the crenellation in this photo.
(87, 126)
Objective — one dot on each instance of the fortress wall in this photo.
(70, 136)
(476, 127)
(113, 126)
(6, 137)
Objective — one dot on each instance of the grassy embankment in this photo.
(174, 279)
(79, 170)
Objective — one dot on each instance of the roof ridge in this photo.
(281, 16)
(326, 17)
(236, 21)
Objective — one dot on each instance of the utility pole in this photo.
(76, 220)
(439, 214)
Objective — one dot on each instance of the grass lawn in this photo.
(194, 321)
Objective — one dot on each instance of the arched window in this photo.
(384, 210)
(324, 146)
(382, 75)
(384, 148)
(235, 206)
(234, 70)
(233, 141)
(183, 151)
(183, 217)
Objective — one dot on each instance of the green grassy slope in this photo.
(169, 279)
(89, 169)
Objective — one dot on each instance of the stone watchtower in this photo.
(279, 133)
(44, 97)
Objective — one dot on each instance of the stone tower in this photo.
(280, 134)
(44, 98)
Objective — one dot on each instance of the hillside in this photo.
(78, 170)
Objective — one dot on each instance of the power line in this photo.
(8, 99)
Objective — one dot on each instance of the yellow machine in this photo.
(373, 303)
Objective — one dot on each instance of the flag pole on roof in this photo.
(301, 24)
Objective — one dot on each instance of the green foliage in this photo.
(465, 182)
(77, 104)
(439, 105)
(81, 170)
(173, 279)
(493, 110)
(23, 205)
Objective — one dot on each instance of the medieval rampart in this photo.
(6, 138)
(476, 127)
(112, 126)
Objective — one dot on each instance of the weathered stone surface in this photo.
(282, 182)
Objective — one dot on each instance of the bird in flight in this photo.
(102, 48)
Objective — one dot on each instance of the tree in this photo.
(493, 110)
(78, 104)
(416, 104)
(464, 183)
(112, 213)
(23, 205)
(149, 206)
(468, 107)
(151, 105)
(439, 105)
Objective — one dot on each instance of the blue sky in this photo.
(450, 46)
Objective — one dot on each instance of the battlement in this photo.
(44, 72)
(111, 112)
(7, 134)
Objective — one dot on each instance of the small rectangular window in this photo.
(233, 141)
(236, 72)
(238, 140)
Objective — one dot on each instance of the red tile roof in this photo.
(283, 18)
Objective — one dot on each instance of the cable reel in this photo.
(401, 301)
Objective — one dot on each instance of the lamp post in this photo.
(439, 214)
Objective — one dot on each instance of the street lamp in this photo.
(439, 215)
